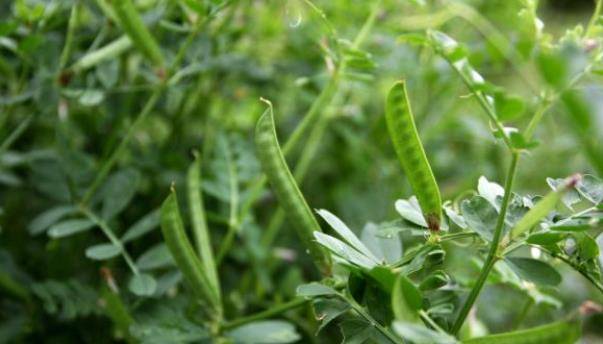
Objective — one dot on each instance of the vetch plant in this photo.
(410, 180)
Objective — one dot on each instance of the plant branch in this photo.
(567, 261)
(363, 313)
(111, 236)
(494, 248)
(266, 314)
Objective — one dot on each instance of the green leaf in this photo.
(118, 191)
(359, 331)
(534, 270)
(518, 141)
(384, 276)
(346, 233)
(508, 107)
(490, 191)
(406, 300)
(573, 225)
(91, 97)
(156, 257)
(102, 251)
(587, 247)
(435, 280)
(480, 216)
(411, 211)
(142, 285)
(314, 289)
(386, 248)
(545, 238)
(344, 251)
(46, 219)
(591, 188)
(265, 332)
(69, 227)
(553, 68)
(562, 332)
(419, 334)
(144, 225)
(326, 310)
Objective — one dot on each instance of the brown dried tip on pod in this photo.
(589, 307)
(65, 77)
(573, 180)
(161, 73)
(590, 44)
(107, 276)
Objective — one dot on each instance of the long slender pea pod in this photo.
(562, 332)
(199, 223)
(109, 51)
(543, 207)
(411, 154)
(288, 193)
(117, 312)
(130, 21)
(184, 254)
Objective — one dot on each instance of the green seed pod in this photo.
(184, 254)
(130, 21)
(199, 223)
(562, 332)
(411, 154)
(435, 280)
(288, 193)
(543, 207)
(435, 257)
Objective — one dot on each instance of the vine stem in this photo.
(363, 313)
(567, 261)
(111, 236)
(106, 168)
(266, 314)
(523, 313)
(493, 253)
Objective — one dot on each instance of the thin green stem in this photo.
(529, 132)
(493, 255)
(108, 164)
(16, 134)
(363, 313)
(489, 111)
(454, 236)
(548, 101)
(233, 219)
(68, 47)
(430, 321)
(111, 236)
(523, 313)
(597, 284)
(594, 18)
(149, 105)
(276, 310)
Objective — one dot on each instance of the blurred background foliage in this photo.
(60, 121)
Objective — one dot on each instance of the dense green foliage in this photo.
(166, 169)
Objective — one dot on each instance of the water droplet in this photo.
(535, 252)
(293, 13)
